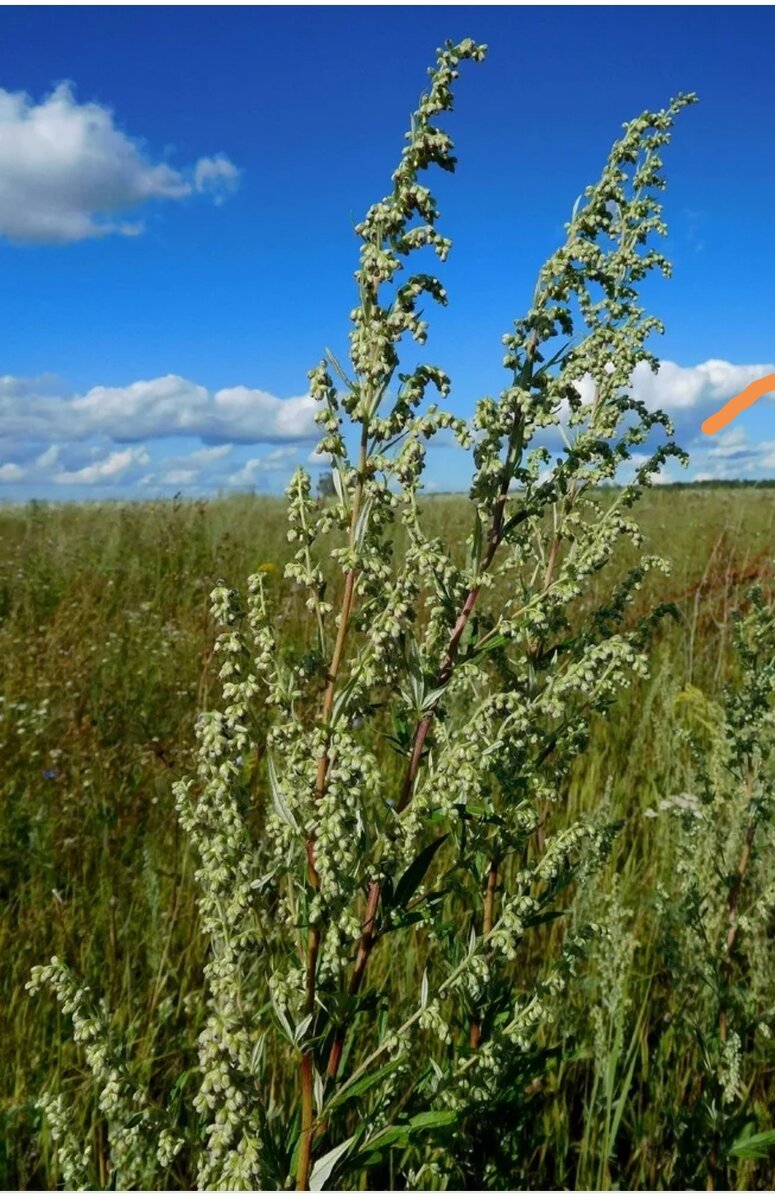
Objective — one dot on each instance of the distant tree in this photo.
(326, 485)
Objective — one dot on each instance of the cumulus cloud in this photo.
(161, 435)
(179, 477)
(251, 472)
(153, 408)
(185, 470)
(67, 172)
(11, 473)
(48, 459)
(681, 390)
(216, 175)
(687, 394)
(733, 456)
(214, 468)
(152, 436)
(732, 443)
(107, 471)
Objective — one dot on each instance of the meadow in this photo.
(106, 658)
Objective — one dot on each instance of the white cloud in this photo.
(160, 435)
(732, 443)
(184, 470)
(690, 394)
(687, 394)
(144, 436)
(153, 408)
(216, 175)
(67, 172)
(682, 390)
(207, 455)
(49, 458)
(732, 456)
(251, 472)
(11, 473)
(109, 470)
(249, 409)
(177, 478)
(248, 474)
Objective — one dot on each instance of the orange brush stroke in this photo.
(738, 403)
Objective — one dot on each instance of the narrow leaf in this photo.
(365, 1083)
(415, 873)
(431, 698)
(435, 1119)
(322, 1169)
(754, 1145)
(278, 799)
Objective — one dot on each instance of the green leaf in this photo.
(416, 678)
(342, 699)
(406, 919)
(180, 1083)
(434, 1119)
(278, 800)
(542, 918)
(394, 1135)
(492, 643)
(362, 523)
(401, 738)
(415, 873)
(274, 1161)
(339, 488)
(321, 1170)
(476, 540)
(430, 698)
(753, 1145)
(283, 1021)
(365, 1082)
(302, 1028)
(401, 1135)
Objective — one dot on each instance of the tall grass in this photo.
(105, 654)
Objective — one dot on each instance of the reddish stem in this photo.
(421, 732)
(362, 957)
(475, 1031)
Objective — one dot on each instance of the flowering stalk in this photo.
(430, 721)
(719, 905)
(609, 320)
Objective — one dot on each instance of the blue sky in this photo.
(178, 188)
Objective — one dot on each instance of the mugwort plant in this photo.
(374, 812)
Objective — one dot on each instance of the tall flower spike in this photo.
(379, 783)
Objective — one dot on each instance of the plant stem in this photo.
(494, 538)
(362, 957)
(475, 1031)
(307, 1123)
(313, 936)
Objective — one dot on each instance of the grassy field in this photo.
(105, 649)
